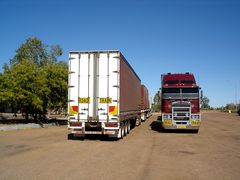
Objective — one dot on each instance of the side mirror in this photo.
(201, 96)
(159, 93)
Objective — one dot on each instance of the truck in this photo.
(180, 100)
(145, 103)
(104, 94)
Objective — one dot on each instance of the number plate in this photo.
(84, 100)
(167, 122)
(105, 100)
(181, 126)
(195, 123)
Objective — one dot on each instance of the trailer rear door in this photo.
(94, 85)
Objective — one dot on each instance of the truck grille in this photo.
(181, 111)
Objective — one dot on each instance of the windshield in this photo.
(189, 90)
(171, 90)
(180, 93)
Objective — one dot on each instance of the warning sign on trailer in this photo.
(84, 100)
(105, 100)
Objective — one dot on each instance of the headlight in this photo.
(195, 116)
(167, 116)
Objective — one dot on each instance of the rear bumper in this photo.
(103, 132)
(98, 128)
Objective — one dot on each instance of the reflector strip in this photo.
(111, 124)
(73, 109)
(113, 110)
(75, 124)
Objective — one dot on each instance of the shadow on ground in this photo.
(92, 137)
(11, 119)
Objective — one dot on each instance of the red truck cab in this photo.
(180, 96)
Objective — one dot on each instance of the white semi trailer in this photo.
(104, 94)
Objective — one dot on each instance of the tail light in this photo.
(111, 124)
(76, 124)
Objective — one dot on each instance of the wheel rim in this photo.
(125, 128)
(122, 129)
(120, 132)
(129, 127)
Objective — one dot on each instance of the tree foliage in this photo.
(34, 81)
(205, 103)
(33, 50)
(232, 107)
(157, 102)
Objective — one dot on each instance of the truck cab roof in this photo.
(178, 80)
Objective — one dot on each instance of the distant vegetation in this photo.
(34, 81)
(230, 107)
(205, 103)
(157, 102)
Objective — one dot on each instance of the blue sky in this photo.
(198, 36)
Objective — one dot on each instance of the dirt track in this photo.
(146, 153)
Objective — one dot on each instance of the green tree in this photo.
(231, 106)
(157, 102)
(32, 50)
(1, 87)
(55, 52)
(34, 81)
(57, 75)
(205, 103)
(7, 98)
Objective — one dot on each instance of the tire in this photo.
(133, 123)
(138, 121)
(119, 135)
(123, 129)
(143, 117)
(128, 127)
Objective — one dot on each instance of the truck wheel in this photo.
(133, 123)
(119, 135)
(143, 117)
(125, 128)
(128, 127)
(138, 122)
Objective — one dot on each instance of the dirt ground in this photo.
(147, 152)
